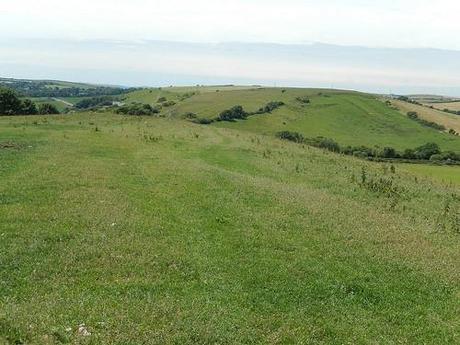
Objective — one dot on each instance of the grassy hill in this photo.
(158, 230)
(50, 84)
(59, 89)
(350, 118)
(444, 174)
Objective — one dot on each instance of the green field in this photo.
(444, 174)
(154, 230)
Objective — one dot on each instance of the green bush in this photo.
(28, 107)
(361, 151)
(388, 152)
(412, 115)
(269, 107)
(235, 113)
(325, 143)
(409, 154)
(291, 136)
(304, 100)
(424, 152)
(449, 155)
(10, 104)
(427, 150)
(137, 109)
(47, 109)
(203, 121)
(436, 157)
(168, 103)
(190, 115)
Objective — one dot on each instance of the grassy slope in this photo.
(67, 84)
(444, 174)
(448, 120)
(161, 231)
(148, 96)
(349, 118)
(151, 96)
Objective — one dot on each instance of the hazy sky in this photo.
(131, 42)
(389, 23)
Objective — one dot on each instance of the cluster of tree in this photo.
(165, 103)
(168, 104)
(304, 100)
(429, 151)
(137, 109)
(30, 88)
(95, 102)
(202, 121)
(413, 115)
(454, 112)
(269, 107)
(237, 112)
(291, 136)
(47, 109)
(234, 113)
(408, 100)
(189, 115)
(187, 95)
(11, 104)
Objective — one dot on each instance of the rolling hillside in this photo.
(61, 89)
(28, 84)
(350, 118)
(153, 229)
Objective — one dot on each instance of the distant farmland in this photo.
(429, 114)
(450, 105)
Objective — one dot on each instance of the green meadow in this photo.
(155, 230)
(350, 118)
(444, 174)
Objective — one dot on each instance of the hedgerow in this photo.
(426, 152)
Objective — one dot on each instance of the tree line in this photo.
(237, 112)
(28, 88)
(11, 104)
(428, 151)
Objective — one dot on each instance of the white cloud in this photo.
(403, 23)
